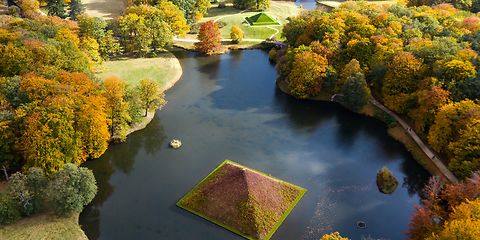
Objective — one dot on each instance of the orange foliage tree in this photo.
(210, 39)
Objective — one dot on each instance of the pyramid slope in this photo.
(261, 19)
(243, 200)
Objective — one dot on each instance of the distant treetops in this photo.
(422, 62)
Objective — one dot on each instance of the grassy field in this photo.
(231, 16)
(161, 69)
(44, 226)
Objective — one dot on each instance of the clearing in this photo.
(242, 200)
(44, 226)
(165, 69)
(230, 16)
(107, 9)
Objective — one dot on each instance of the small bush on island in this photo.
(71, 189)
(386, 182)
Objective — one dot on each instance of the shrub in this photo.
(27, 191)
(20, 194)
(71, 189)
(272, 55)
(386, 182)
(236, 34)
(37, 183)
(8, 211)
(222, 5)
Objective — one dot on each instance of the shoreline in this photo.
(169, 84)
(408, 142)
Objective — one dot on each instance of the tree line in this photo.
(53, 111)
(421, 62)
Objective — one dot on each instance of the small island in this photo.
(242, 200)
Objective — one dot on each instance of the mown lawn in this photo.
(133, 70)
(231, 16)
(44, 226)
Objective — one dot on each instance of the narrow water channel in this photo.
(227, 107)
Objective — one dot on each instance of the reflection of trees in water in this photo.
(118, 157)
(416, 176)
(210, 66)
(302, 114)
(310, 115)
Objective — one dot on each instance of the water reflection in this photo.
(227, 107)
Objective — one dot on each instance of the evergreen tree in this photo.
(56, 8)
(76, 8)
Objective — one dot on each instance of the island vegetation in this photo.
(247, 202)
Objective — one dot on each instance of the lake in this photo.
(228, 107)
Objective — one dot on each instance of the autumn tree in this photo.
(402, 74)
(307, 75)
(150, 95)
(108, 46)
(455, 133)
(236, 34)
(429, 102)
(333, 236)
(14, 59)
(29, 7)
(117, 108)
(447, 211)
(350, 70)
(209, 37)
(454, 73)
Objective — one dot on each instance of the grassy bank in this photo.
(165, 69)
(44, 226)
(399, 134)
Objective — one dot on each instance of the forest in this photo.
(419, 59)
(421, 62)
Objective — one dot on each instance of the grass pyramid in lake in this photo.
(242, 200)
(261, 19)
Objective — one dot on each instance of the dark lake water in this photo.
(227, 107)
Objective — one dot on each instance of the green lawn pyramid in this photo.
(261, 19)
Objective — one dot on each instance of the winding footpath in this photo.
(424, 147)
